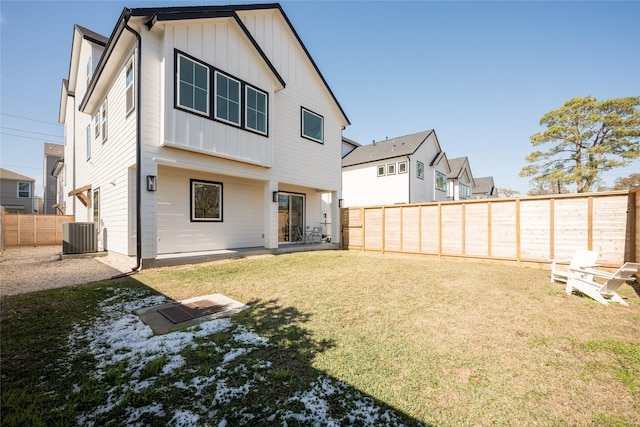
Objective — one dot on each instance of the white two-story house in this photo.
(407, 169)
(460, 180)
(199, 128)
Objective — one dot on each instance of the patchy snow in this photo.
(120, 342)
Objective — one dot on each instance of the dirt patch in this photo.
(34, 268)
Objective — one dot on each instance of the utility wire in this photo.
(27, 137)
(27, 118)
(28, 131)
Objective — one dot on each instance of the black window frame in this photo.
(212, 114)
(176, 99)
(302, 134)
(192, 216)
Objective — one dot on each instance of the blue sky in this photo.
(481, 74)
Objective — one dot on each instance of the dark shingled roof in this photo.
(390, 148)
(92, 35)
(483, 185)
(456, 166)
(7, 174)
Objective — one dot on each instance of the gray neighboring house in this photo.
(460, 179)
(53, 155)
(485, 188)
(17, 192)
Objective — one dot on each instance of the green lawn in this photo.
(333, 336)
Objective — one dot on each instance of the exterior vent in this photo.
(79, 237)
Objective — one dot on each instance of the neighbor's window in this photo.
(193, 85)
(103, 120)
(464, 191)
(312, 125)
(206, 201)
(128, 86)
(381, 170)
(420, 170)
(391, 169)
(441, 181)
(24, 189)
(402, 167)
(227, 99)
(88, 141)
(256, 110)
(96, 205)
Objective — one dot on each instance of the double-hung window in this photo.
(206, 200)
(128, 86)
(312, 126)
(193, 85)
(24, 189)
(441, 181)
(256, 110)
(96, 126)
(227, 99)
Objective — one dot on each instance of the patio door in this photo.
(290, 217)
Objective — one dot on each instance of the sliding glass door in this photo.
(290, 217)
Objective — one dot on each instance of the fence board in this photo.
(531, 230)
(29, 230)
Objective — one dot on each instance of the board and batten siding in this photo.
(220, 44)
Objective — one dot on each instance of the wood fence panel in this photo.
(608, 227)
(30, 230)
(452, 229)
(503, 230)
(571, 220)
(392, 229)
(374, 227)
(535, 229)
(10, 230)
(430, 229)
(411, 229)
(528, 230)
(477, 229)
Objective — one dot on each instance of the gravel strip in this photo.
(34, 268)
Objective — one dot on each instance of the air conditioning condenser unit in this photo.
(79, 237)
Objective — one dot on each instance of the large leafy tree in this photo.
(585, 137)
(627, 183)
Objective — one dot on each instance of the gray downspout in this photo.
(138, 147)
(409, 173)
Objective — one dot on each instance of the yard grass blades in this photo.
(333, 337)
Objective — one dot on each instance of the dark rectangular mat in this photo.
(183, 312)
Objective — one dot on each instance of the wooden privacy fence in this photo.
(529, 230)
(27, 230)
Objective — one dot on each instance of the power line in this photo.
(28, 118)
(27, 137)
(28, 131)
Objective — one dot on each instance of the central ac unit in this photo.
(79, 237)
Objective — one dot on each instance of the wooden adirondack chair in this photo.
(602, 292)
(582, 260)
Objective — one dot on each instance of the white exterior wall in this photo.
(361, 185)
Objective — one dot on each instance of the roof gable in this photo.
(14, 176)
(390, 148)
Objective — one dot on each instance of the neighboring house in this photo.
(17, 193)
(484, 188)
(348, 146)
(460, 179)
(408, 169)
(53, 154)
(199, 128)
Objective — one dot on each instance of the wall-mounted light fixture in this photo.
(340, 203)
(152, 183)
(275, 196)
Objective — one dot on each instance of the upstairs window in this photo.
(464, 191)
(381, 170)
(312, 126)
(128, 86)
(402, 167)
(256, 110)
(103, 120)
(227, 99)
(391, 169)
(193, 85)
(88, 141)
(24, 189)
(420, 170)
(96, 126)
(441, 181)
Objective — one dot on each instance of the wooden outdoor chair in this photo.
(580, 281)
(582, 260)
